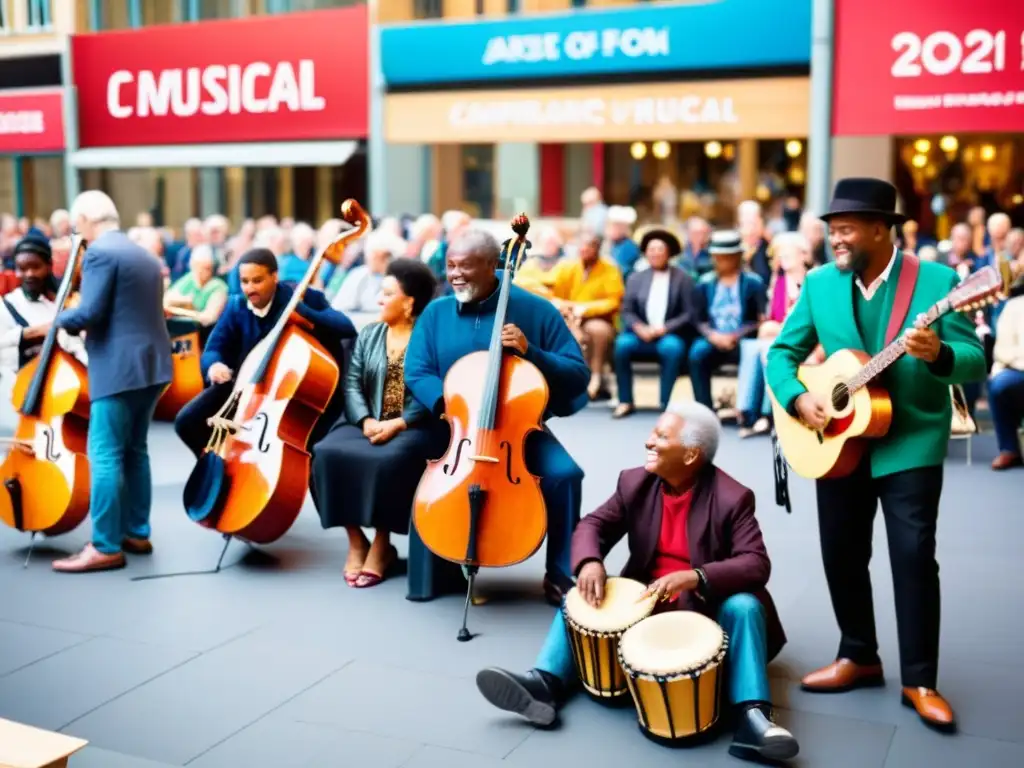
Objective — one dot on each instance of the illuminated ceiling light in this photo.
(638, 150)
(794, 148)
(713, 149)
(988, 153)
(661, 149)
(763, 193)
(921, 146)
(949, 144)
(729, 152)
(796, 175)
(1017, 199)
(919, 161)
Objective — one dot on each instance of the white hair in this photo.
(423, 224)
(476, 241)
(96, 208)
(701, 428)
(998, 219)
(217, 221)
(302, 231)
(748, 208)
(452, 219)
(384, 241)
(808, 219)
(59, 216)
(790, 241)
(202, 252)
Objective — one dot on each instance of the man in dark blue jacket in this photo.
(129, 349)
(454, 326)
(245, 322)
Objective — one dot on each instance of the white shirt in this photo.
(38, 312)
(869, 291)
(657, 299)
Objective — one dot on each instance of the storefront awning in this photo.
(269, 154)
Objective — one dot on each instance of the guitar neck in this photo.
(895, 350)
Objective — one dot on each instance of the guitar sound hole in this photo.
(840, 397)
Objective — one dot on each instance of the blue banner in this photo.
(718, 34)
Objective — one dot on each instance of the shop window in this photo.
(478, 180)
(161, 11)
(40, 15)
(427, 9)
(514, 6)
(579, 3)
(218, 9)
(111, 15)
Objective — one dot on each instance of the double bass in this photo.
(252, 478)
(46, 473)
(187, 375)
(478, 505)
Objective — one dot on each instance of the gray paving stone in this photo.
(263, 638)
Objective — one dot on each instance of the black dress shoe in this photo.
(758, 737)
(533, 695)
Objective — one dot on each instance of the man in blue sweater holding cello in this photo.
(246, 320)
(454, 326)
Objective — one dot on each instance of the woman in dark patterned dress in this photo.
(366, 469)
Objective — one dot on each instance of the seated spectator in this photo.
(695, 258)
(358, 296)
(1006, 385)
(792, 252)
(588, 290)
(621, 247)
(294, 264)
(657, 319)
(535, 274)
(729, 305)
(200, 290)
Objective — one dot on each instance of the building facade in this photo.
(496, 111)
(184, 107)
(943, 118)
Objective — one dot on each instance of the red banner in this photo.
(909, 67)
(293, 77)
(31, 121)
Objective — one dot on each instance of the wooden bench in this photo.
(22, 746)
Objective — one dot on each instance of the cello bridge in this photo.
(489, 459)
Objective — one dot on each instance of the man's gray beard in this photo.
(465, 295)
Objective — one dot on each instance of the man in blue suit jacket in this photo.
(245, 321)
(121, 313)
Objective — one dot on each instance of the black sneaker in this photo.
(532, 695)
(757, 736)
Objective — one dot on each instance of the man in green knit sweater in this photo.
(847, 305)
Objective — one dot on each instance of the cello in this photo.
(478, 505)
(46, 473)
(252, 479)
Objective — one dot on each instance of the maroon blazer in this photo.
(725, 540)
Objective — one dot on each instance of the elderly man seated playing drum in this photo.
(694, 539)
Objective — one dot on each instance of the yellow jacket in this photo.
(598, 293)
(534, 278)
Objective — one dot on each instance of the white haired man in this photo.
(294, 264)
(129, 350)
(696, 541)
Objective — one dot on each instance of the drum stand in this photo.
(220, 560)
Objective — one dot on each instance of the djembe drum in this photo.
(594, 633)
(673, 664)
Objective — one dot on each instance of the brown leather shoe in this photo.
(137, 546)
(933, 710)
(1007, 460)
(89, 559)
(843, 675)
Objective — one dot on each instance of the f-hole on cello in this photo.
(253, 477)
(45, 475)
(478, 505)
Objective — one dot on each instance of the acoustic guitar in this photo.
(858, 409)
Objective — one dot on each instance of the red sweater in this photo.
(673, 551)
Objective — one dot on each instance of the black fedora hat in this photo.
(865, 197)
(670, 240)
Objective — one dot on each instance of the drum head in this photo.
(671, 644)
(618, 610)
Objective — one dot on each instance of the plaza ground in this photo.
(276, 663)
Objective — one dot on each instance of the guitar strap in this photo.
(904, 293)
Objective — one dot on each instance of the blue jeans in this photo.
(1006, 404)
(670, 351)
(704, 359)
(751, 390)
(561, 483)
(122, 487)
(741, 617)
